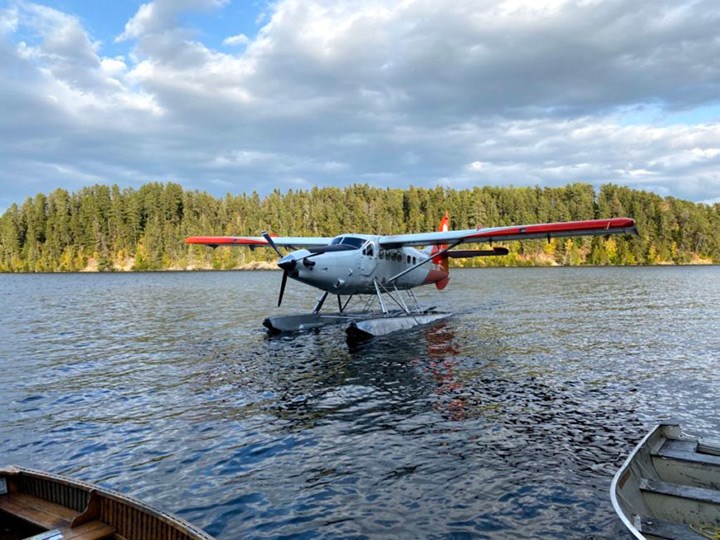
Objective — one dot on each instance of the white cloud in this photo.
(512, 7)
(477, 166)
(392, 93)
(160, 16)
(145, 20)
(239, 39)
(114, 67)
(8, 21)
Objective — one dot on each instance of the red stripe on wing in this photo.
(225, 241)
(568, 226)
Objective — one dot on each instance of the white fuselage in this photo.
(356, 270)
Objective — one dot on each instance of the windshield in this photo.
(357, 243)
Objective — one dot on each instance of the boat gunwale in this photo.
(173, 521)
(625, 469)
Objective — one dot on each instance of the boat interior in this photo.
(43, 506)
(669, 488)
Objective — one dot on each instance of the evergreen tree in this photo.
(64, 231)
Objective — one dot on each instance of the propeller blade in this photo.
(282, 287)
(269, 239)
(287, 263)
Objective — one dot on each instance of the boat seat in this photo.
(710, 496)
(668, 530)
(686, 451)
(92, 530)
(50, 516)
(37, 511)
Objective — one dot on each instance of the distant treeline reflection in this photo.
(107, 228)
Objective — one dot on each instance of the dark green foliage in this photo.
(106, 228)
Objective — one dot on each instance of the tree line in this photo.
(107, 228)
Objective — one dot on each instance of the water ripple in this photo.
(507, 420)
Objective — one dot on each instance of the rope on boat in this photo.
(711, 533)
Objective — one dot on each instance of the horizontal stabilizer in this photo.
(468, 253)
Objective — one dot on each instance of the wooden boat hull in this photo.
(669, 487)
(69, 509)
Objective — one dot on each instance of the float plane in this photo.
(382, 266)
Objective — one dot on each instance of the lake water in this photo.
(507, 420)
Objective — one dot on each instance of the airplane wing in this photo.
(259, 241)
(515, 232)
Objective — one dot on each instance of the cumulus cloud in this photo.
(239, 39)
(391, 93)
(160, 16)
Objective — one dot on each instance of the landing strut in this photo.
(359, 324)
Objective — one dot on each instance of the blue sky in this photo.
(104, 20)
(230, 96)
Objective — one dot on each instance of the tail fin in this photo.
(442, 260)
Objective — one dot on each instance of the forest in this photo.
(106, 228)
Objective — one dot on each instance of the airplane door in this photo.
(368, 260)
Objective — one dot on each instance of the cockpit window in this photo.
(357, 243)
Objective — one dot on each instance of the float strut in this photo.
(377, 291)
(343, 306)
(414, 299)
(402, 302)
(320, 302)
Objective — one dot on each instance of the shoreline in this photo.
(271, 267)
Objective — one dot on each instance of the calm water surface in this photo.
(505, 421)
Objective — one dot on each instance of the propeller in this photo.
(288, 263)
(282, 287)
(285, 267)
(269, 239)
